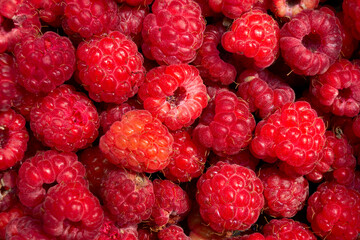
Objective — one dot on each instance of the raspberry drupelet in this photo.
(175, 94)
(65, 120)
(110, 67)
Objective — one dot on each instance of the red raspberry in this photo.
(264, 91)
(139, 142)
(288, 8)
(109, 231)
(284, 195)
(243, 158)
(351, 13)
(172, 232)
(128, 196)
(65, 120)
(293, 134)
(311, 42)
(47, 167)
(136, 3)
(7, 189)
(334, 212)
(350, 44)
(14, 212)
(172, 203)
(188, 158)
(13, 138)
(146, 234)
(206, 9)
(231, 8)
(339, 88)
(254, 36)
(226, 124)
(230, 197)
(208, 59)
(44, 62)
(110, 67)
(254, 236)
(286, 229)
(173, 32)
(175, 94)
(50, 11)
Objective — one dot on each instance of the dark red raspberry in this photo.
(136, 3)
(139, 142)
(172, 232)
(243, 158)
(110, 231)
(8, 189)
(226, 124)
(128, 196)
(286, 229)
(146, 234)
(264, 91)
(293, 134)
(284, 196)
(288, 9)
(254, 36)
(254, 236)
(16, 211)
(208, 59)
(188, 158)
(65, 120)
(13, 138)
(50, 11)
(311, 42)
(231, 8)
(110, 67)
(206, 10)
(47, 168)
(44, 61)
(350, 44)
(334, 212)
(175, 94)
(339, 88)
(173, 32)
(230, 197)
(351, 14)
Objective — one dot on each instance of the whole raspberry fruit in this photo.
(311, 42)
(175, 94)
(139, 142)
(110, 67)
(230, 8)
(254, 36)
(65, 120)
(230, 197)
(289, 9)
(351, 14)
(44, 61)
(334, 212)
(172, 232)
(173, 32)
(128, 196)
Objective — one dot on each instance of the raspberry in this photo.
(230, 8)
(254, 36)
(172, 203)
(334, 212)
(70, 211)
(254, 236)
(50, 11)
(14, 212)
(44, 62)
(172, 232)
(136, 3)
(128, 196)
(65, 120)
(350, 44)
(311, 42)
(289, 9)
(230, 197)
(7, 189)
(13, 138)
(226, 124)
(284, 195)
(173, 32)
(110, 231)
(47, 167)
(110, 67)
(27, 101)
(293, 134)
(139, 142)
(338, 88)
(351, 13)
(243, 158)
(188, 158)
(264, 91)
(208, 59)
(283, 229)
(175, 94)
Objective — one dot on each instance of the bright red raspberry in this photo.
(226, 124)
(172, 232)
(175, 94)
(254, 36)
(288, 9)
(136, 3)
(208, 60)
(173, 32)
(50, 11)
(293, 134)
(351, 16)
(264, 91)
(311, 42)
(334, 212)
(13, 138)
(286, 229)
(65, 120)
(110, 231)
(339, 88)
(231, 8)
(8, 189)
(16, 211)
(243, 158)
(44, 61)
(284, 196)
(110, 67)
(47, 167)
(128, 196)
(139, 142)
(230, 197)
